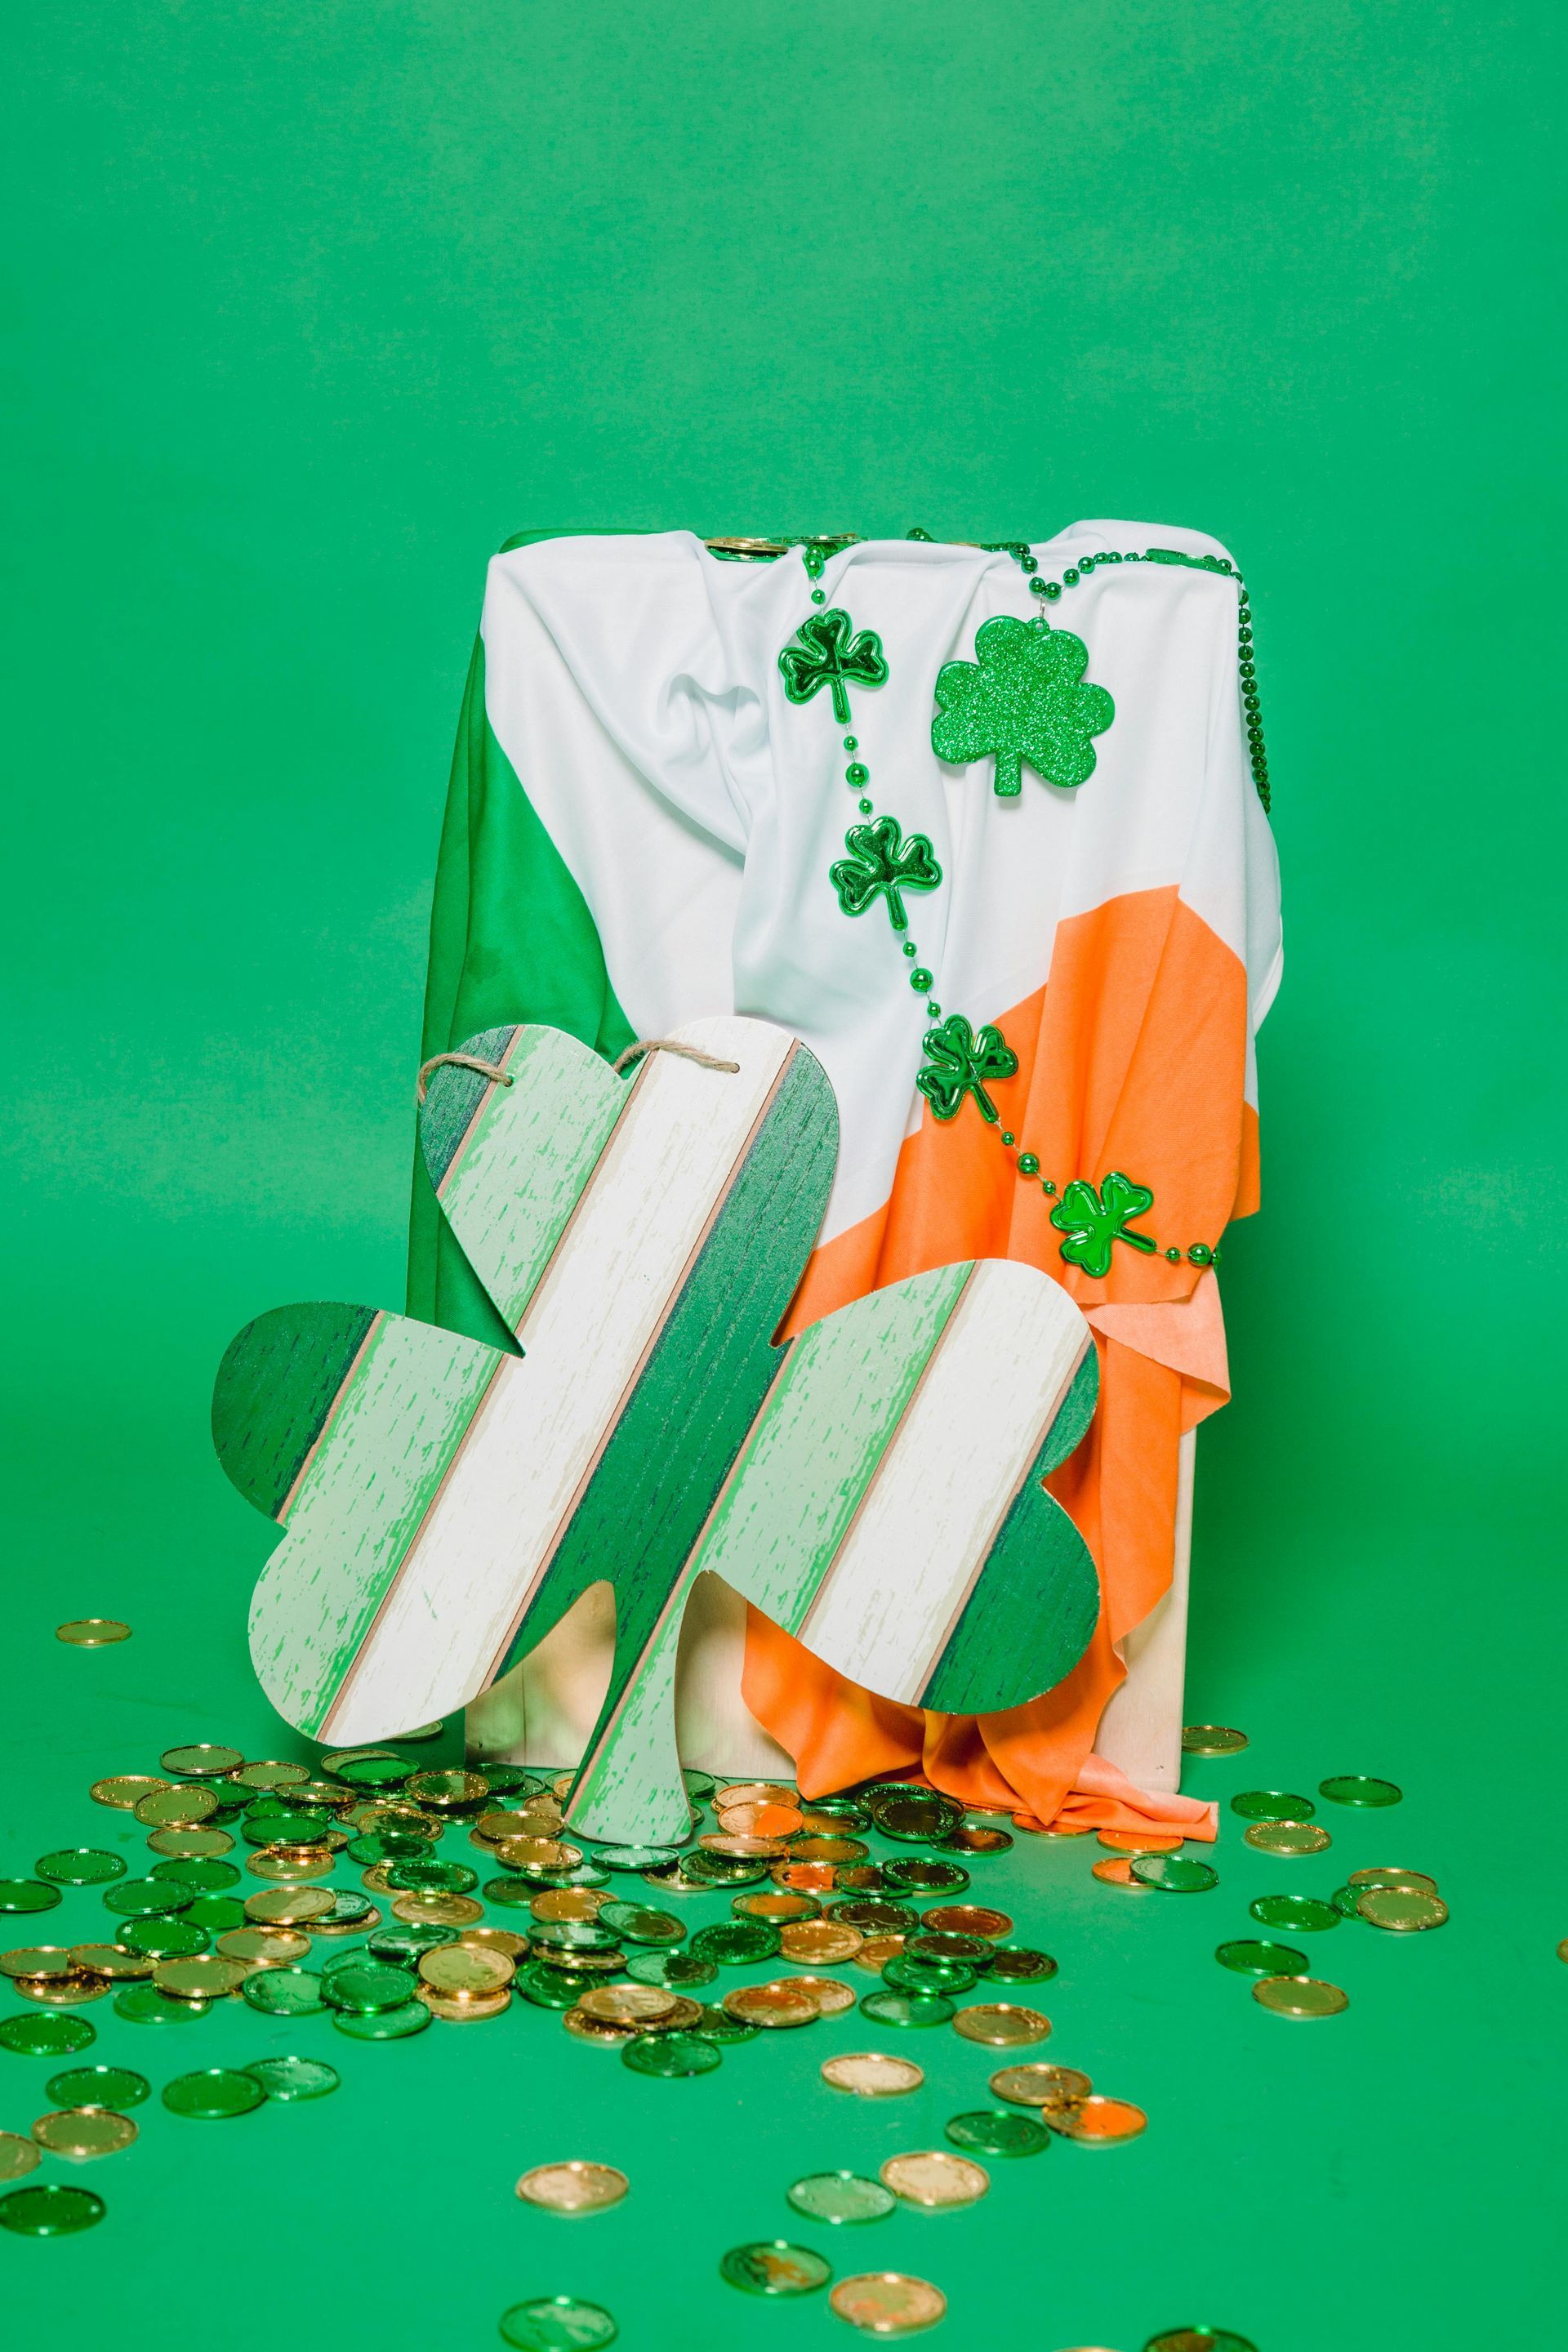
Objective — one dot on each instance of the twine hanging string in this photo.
(491, 1070)
(672, 1046)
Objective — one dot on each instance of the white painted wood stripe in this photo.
(451, 1613)
(996, 1379)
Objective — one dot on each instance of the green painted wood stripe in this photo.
(453, 1097)
(275, 1391)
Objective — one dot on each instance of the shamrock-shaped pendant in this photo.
(881, 864)
(828, 650)
(1092, 1220)
(959, 1060)
(1022, 698)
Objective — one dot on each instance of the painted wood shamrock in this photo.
(1092, 1220)
(880, 863)
(959, 1060)
(874, 1486)
(828, 650)
(1024, 698)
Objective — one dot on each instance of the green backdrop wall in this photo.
(315, 304)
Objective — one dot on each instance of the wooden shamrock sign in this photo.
(874, 1486)
(1022, 698)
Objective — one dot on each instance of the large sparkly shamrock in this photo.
(1022, 698)
(828, 650)
(880, 863)
(1092, 1220)
(444, 1502)
(958, 1062)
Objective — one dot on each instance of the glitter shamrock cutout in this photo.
(958, 1061)
(880, 863)
(1022, 698)
(828, 650)
(1092, 1220)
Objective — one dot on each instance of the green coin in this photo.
(375, 1772)
(1199, 2339)
(925, 1876)
(1272, 1805)
(351, 1910)
(144, 2005)
(27, 1895)
(874, 1918)
(353, 1956)
(203, 1875)
(216, 1913)
(637, 1923)
(993, 2131)
(388, 1845)
(510, 1781)
(432, 1877)
(403, 1944)
(287, 1992)
(1302, 1913)
(842, 1810)
(367, 1987)
(841, 2197)
(1174, 1874)
(774, 2266)
(671, 2055)
(1016, 1964)
(1357, 1789)
(547, 1988)
(513, 1894)
(976, 1837)
(147, 1898)
(383, 2024)
(681, 1971)
(634, 1857)
(99, 2086)
(700, 1869)
(1250, 1959)
(279, 1828)
(49, 2212)
(45, 2036)
(557, 2323)
(294, 2078)
(943, 1944)
(1346, 1901)
(907, 2008)
(79, 1866)
(917, 1820)
(921, 1972)
(735, 1942)
(571, 1935)
(213, 2095)
(700, 1786)
(166, 1940)
(717, 2025)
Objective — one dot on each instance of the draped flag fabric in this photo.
(639, 833)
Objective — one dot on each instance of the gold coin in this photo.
(1563, 1950)
(61, 1992)
(1139, 1842)
(375, 1881)
(491, 1827)
(587, 1964)
(206, 1976)
(965, 1919)
(1405, 1910)
(805, 1877)
(760, 1820)
(773, 2006)
(832, 1998)
(568, 1903)
(876, 1951)
(573, 2187)
(288, 1906)
(292, 1863)
(124, 1790)
(332, 1929)
(745, 1849)
(931, 2176)
(561, 1786)
(17, 2156)
(873, 2074)
(835, 1850)
(538, 1854)
(1288, 1838)
(779, 1904)
(268, 1773)
(1212, 1739)
(496, 1940)
(336, 1757)
(447, 1791)
(1004, 2024)
(1098, 2122)
(629, 2004)
(385, 1813)
(37, 1960)
(201, 1761)
(1299, 1996)
(174, 1808)
(1040, 2087)
(439, 1910)
(754, 1792)
(91, 1633)
(464, 2009)
(464, 1972)
(264, 1948)
(1414, 1881)
(1118, 1873)
(888, 2303)
(599, 2029)
(183, 1843)
(81, 2133)
(681, 2018)
(111, 1961)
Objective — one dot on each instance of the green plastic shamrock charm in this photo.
(880, 864)
(1092, 1220)
(1022, 698)
(828, 650)
(958, 1062)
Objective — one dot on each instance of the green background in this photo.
(312, 306)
